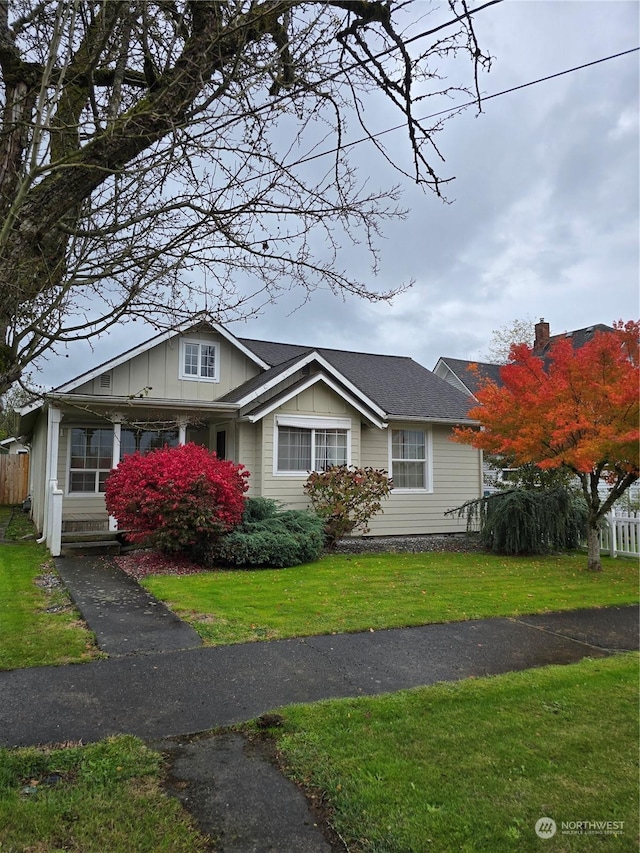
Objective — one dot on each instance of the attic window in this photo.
(105, 380)
(200, 360)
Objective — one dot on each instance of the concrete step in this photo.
(89, 535)
(90, 547)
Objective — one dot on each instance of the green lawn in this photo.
(471, 766)
(38, 625)
(102, 798)
(373, 591)
(467, 767)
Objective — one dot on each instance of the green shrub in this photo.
(346, 498)
(528, 521)
(267, 537)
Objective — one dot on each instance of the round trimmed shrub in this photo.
(176, 497)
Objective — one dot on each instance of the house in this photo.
(279, 409)
(467, 376)
(13, 446)
(457, 371)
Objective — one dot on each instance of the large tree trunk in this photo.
(594, 563)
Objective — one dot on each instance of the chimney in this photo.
(542, 334)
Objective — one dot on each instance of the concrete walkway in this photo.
(174, 693)
(125, 618)
(161, 683)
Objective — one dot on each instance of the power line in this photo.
(455, 109)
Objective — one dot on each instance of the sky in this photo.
(543, 213)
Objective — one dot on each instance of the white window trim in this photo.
(310, 422)
(189, 377)
(67, 488)
(428, 460)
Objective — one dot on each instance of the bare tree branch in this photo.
(151, 155)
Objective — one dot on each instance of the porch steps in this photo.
(89, 543)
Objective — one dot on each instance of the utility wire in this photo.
(464, 106)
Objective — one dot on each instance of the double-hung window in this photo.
(410, 458)
(91, 459)
(311, 445)
(199, 360)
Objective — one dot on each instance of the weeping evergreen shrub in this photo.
(527, 521)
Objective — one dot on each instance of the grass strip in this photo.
(38, 624)
(472, 766)
(343, 593)
(91, 799)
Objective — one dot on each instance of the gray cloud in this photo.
(544, 212)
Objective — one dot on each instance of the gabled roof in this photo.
(579, 337)
(472, 379)
(397, 385)
(150, 344)
(381, 387)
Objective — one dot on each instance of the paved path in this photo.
(156, 693)
(160, 683)
(125, 618)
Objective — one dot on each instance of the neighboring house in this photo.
(280, 410)
(544, 340)
(467, 376)
(13, 446)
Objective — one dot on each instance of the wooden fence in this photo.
(621, 535)
(14, 478)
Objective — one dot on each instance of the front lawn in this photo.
(343, 593)
(469, 766)
(38, 624)
(472, 766)
(91, 799)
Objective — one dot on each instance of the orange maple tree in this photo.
(577, 409)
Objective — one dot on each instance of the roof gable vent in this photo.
(105, 381)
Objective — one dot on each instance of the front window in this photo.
(409, 459)
(311, 449)
(199, 361)
(91, 459)
(145, 440)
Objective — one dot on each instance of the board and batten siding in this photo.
(318, 401)
(248, 440)
(156, 372)
(456, 478)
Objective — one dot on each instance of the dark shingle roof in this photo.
(473, 379)
(397, 384)
(579, 337)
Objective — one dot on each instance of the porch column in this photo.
(54, 416)
(115, 460)
(182, 431)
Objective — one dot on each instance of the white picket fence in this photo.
(621, 534)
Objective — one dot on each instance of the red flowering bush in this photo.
(346, 497)
(176, 497)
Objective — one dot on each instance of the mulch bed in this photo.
(141, 563)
